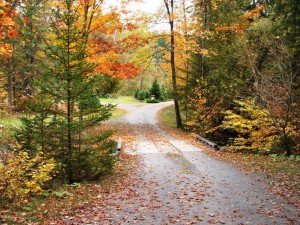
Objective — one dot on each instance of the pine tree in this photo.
(70, 106)
(155, 89)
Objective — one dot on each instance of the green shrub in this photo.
(142, 95)
(93, 162)
(147, 94)
(149, 100)
(90, 102)
(164, 94)
(282, 144)
(106, 85)
(136, 94)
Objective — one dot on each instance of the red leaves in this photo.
(12, 33)
(7, 27)
(108, 56)
(119, 70)
(103, 45)
(198, 218)
(215, 221)
(131, 26)
(25, 20)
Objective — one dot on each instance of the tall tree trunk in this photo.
(204, 32)
(141, 81)
(69, 127)
(186, 62)
(69, 102)
(9, 88)
(11, 80)
(170, 11)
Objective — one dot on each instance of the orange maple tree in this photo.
(107, 41)
(109, 38)
(7, 27)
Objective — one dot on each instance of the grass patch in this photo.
(9, 121)
(167, 116)
(121, 100)
(117, 112)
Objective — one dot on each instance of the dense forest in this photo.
(232, 68)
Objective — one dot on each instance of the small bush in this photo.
(142, 95)
(136, 94)
(282, 144)
(149, 100)
(164, 94)
(147, 94)
(92, 163)
(250, 127)
(22, 176)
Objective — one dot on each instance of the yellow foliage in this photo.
(3, 92)
(22, 176)
(252, 124)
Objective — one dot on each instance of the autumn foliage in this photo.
(224, 59)
(108, 43)
(8, 27)
(56, 53)
(23, 176)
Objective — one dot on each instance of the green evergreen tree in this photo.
(70, 106)
(147, 94)
(155, 90)
(142, 95)
(136, 94)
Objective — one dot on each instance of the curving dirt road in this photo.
(179, 184)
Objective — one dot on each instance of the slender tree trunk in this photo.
(9, 87)
(69, 106)
(141, 81)
(69, 124)
(204, 31)
(56, 102)
(186, 63)
(11, 80)
(43, 130)
(170, 11)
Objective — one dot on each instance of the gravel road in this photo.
(177, 183)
